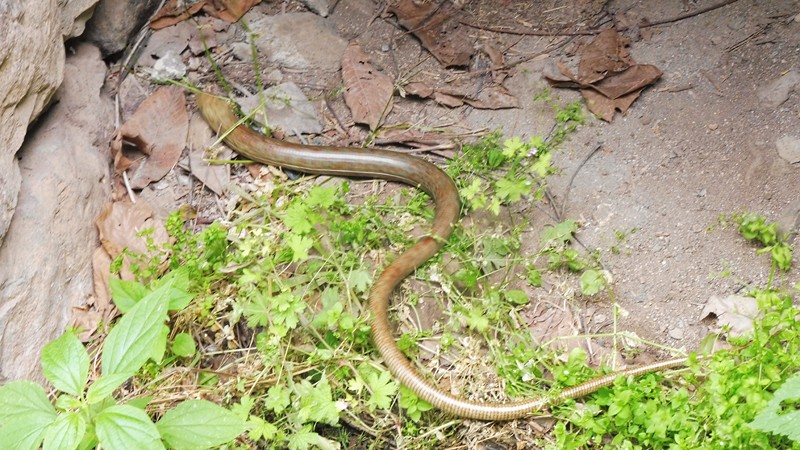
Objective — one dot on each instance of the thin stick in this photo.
(128, 186)
(688, 15)
(572, 178)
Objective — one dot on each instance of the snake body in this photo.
(416, 172)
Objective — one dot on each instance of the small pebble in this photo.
(599, 318)
(676, 333)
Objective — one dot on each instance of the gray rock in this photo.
(676, 333)
(169, 40)
(46, 257)
(169, 67)
(299, 41)
(789, 148)
(321, 7)
(115, 22)
(777, 92)
(287, 108)
(31, 69)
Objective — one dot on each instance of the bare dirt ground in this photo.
(697, 145)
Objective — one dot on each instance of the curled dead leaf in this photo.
(132, 227)
(149, 144)
(228, 10)
(172, 13)
(368, 92)
(608, 78)
(435, 24)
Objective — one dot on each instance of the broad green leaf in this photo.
(243, 408)
(123, 427)
(65, 364)
(25, 414)
(159, 347)
(592, 282)
(306, 439)
(512, 190)
(316, 403)
(359, 279)
(183, 345)
(23, 434)
(65, 433)
(559, 233)
(781, 415)
(180, 282)
(199, 424)
(126, 294)
(105, 386)
(259, 428)
(297, 218)
(278, 398)
(300, 246)
(516, 296)
(383, 389)
(513, 147)
(178, 279)
(542, 165)
(140, 402)
(130, 343)
(321, 196)
(25, 401)
(179, 299)
(477, 320)
(66, 401)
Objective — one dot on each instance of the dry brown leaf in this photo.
(149, 144)
(608, 78)
(101, 269)
(229, 10)
(98, 308)
(418, 89)
(170, 14)
(494, 96)
(123, 225)
(435, 24)
(86, 320)
(368, 92)
(607, 53)
(632, 79)
(447, 99)
(604, 107)
(213, 176)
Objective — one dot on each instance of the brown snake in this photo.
(416, 172)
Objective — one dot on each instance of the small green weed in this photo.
(755, 228)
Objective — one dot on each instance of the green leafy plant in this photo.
(782, 414)
(87, 415)
(755, 228)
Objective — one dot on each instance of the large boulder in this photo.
(31, 69)
(52, 187)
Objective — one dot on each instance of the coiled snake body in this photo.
(416, 172)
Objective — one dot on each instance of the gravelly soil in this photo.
(697, 145)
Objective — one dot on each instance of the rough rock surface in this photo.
(27, 83)
(46, 256)
(293, 41)
(115, 21)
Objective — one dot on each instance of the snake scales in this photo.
(416, 172)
